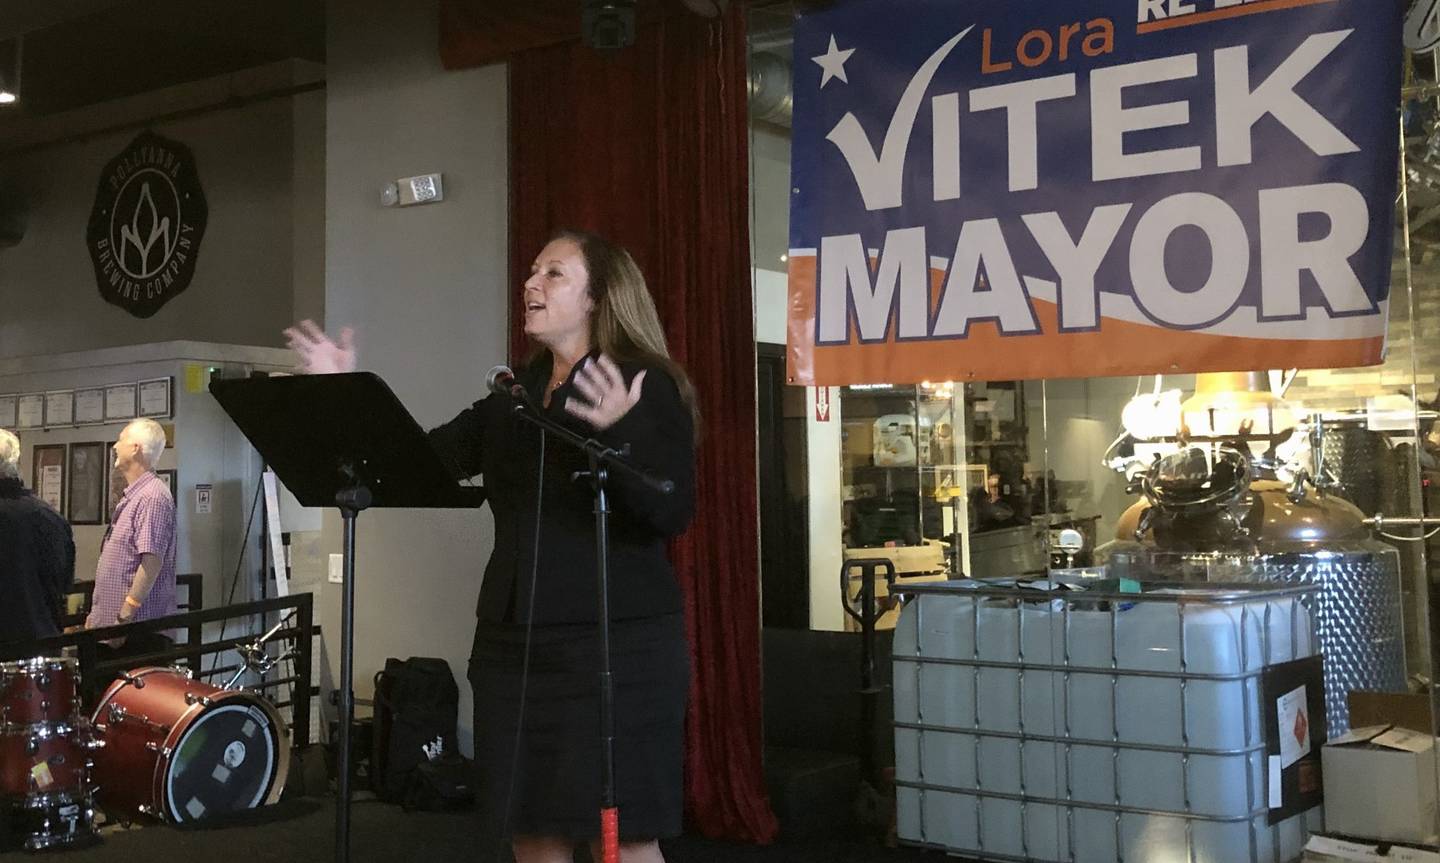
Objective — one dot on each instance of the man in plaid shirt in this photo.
(135, 578)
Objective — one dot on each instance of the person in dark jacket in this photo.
(37, 555)
(602, 368)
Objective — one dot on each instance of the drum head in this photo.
(227, 760)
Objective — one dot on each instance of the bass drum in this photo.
(182, 750)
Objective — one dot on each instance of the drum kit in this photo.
(159, 744)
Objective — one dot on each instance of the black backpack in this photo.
(416, 706)
(441, 784)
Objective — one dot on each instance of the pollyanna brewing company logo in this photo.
(145, 228)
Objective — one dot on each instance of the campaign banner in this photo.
(1010, 189)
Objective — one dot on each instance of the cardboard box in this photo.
(1406, 709)
(1380, 784)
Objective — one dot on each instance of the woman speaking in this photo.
(603, 369)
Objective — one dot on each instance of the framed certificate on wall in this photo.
(60, 408)
(120, 402)
(31, 411)
(90, 406)
(8, 404)
(156, 398)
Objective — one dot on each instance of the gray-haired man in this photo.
(135, 576)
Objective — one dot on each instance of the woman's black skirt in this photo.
(556, 789)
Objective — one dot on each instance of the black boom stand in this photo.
(602, 459)
(343, 440)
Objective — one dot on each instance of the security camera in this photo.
(707, 8)
(608, 25)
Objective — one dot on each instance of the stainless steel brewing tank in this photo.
(1319, 541)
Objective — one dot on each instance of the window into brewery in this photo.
(1277, 515)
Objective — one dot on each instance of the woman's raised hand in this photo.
(609, 399)
(318, 353)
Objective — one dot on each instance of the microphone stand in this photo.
(602, 459)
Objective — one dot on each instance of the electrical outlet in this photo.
(337, 569)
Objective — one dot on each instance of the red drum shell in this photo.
(43, 759)
(39, 690)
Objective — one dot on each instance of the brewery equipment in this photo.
(1213, 513)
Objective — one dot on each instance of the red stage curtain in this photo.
(480, 32)
(649, 148)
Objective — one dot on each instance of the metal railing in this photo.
(293, 690)
(189, 596)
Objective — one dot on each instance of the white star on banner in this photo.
(833, 62)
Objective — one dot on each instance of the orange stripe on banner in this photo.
(1122, 348)
(1221, 14)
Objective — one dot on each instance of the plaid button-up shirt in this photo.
(143, 523)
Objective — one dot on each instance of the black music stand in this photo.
(343, 440)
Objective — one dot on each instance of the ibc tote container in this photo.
(1080, 727)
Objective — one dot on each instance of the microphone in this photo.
(501, 380)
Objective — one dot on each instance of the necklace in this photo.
(556, 381)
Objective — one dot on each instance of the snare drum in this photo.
(182, 750)
(39, 690)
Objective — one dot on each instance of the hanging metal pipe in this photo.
(772, 99)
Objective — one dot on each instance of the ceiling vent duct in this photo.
(772, 98)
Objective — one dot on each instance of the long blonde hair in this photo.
(625, 325)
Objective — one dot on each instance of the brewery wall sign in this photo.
(1002, 189)
(146, 225)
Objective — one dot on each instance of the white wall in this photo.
(426, 287)
(307, 213)
(771, 301)
(258, 263)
